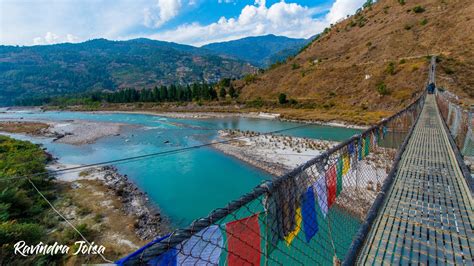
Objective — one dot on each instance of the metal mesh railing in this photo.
(309, 216)
(459, 121)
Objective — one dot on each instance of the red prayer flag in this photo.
(243, 241)
(331, 184)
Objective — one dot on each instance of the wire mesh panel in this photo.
(306, 217)
(459, 121)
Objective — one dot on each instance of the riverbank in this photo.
(147, 219)
(75, 132)
(274, 154)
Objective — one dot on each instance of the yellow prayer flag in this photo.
(346, 164)
(298, 218)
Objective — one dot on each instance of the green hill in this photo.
(61, 69)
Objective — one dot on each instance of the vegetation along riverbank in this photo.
(103, 206)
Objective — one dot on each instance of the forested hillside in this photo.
(100, 64)
(261, 51)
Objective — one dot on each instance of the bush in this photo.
(382, 89)
(448, 70)
(282, 98)
(407, 27)
(257, 103)
(402, 61)
(423, 22)
(292, 101)
(295, 66)
(390, 68)
(401, 2)
(11, 232)
(251, 78)
(72, 235)
(418, 9)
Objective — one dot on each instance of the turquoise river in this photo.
(185, 185)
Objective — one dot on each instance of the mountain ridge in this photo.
(262, 50)
(98, 64)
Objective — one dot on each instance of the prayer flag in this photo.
(166, 259)
(350, 148)
(331, 184)
(243, 241)
(322, 193)
(367, 145)
(202, 248)
(359, 148)
(340, 165)
(297, 229)
(346, 164)
(310, 222)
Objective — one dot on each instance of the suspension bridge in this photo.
(398, 193)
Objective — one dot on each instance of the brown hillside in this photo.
(339, 76)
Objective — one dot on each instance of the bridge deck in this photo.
(427, 217)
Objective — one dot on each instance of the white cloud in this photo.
(125, 19)
(341, 8)
(164, 11)
(289, 19)
(52, 38)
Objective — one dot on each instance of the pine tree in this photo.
(222, 93)
(156, 94)
(173, 94)
(164, 93)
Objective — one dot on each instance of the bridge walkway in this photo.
(427, 217)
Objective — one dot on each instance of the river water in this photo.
(185, 185)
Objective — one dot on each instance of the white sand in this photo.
(82, 132)
(76, 132)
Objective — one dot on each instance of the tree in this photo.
(222, 93)
(232, 92)
(156, 94)
(173, 93)
(164, 93)
(282, 98)
(189, 94)
(212, 93)
(196, 92)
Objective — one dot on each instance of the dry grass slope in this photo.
(375, 62)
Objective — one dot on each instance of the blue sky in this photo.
(194, 22)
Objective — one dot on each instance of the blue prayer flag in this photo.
(310, 222)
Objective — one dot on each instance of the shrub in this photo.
(390, 68)
(401, 2)
(11, 232)
(408, 27)
(72, 235)
(418, 9)
(292, 101)
(295, 66)
(257, 103)
(448, 70)
(402, 61)
(382, 89)
(282, 98)
(423, 22)
(252, 77)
